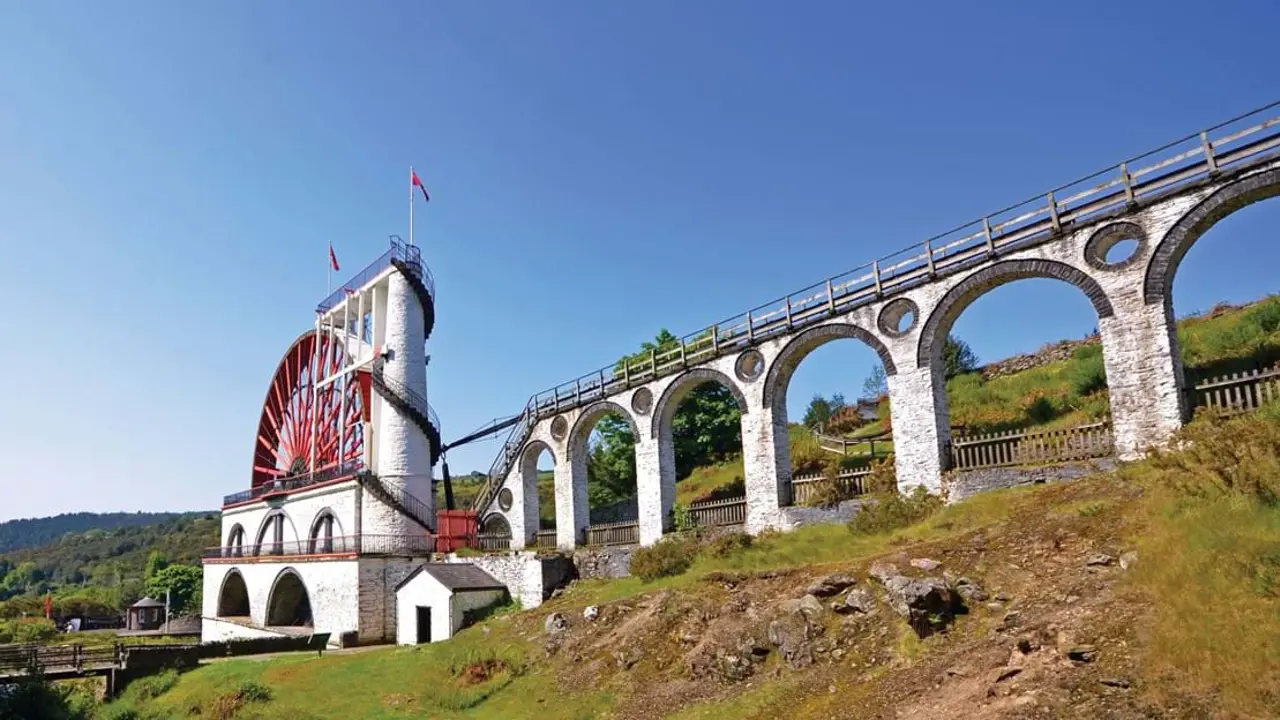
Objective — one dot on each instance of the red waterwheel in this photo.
(297, 412)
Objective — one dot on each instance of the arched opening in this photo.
(233, 598)
(832, 396)
(289, 605)
(537, 475)
(323, 531)
(698, 425)
(602, 455)
(235, 541)
(1007, 364)
(271, 535)
(495, 525)
(1219, 294)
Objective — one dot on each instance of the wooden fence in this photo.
(1238, 392)
(15, 659)
(618, 533)
(868, 447)
(493, 541)
(1019, 447)
(719, 513)
(852, 483)
(545, 539)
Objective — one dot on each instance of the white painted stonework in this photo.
(1132, 298)
(447, 607)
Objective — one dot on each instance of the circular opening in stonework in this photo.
(505, 499)
(1115, 246)
(750, 366)
(559, 427)
(642, 401)
(898, 317)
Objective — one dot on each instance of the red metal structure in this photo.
(299, 412)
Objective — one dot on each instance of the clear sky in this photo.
(171, 175)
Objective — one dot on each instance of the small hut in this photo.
(146, 614)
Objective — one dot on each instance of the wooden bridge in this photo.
(116, 663)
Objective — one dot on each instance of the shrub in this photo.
(728, 544)
(1240, 456)
(28, 630)
(883, 477)
(669, 557)
(1039, 408)
(892, 511)
(250, 691)
(1088, 372)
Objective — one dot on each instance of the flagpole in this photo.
(410, 205)
(328, 263)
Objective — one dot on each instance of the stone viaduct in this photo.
(903, 307)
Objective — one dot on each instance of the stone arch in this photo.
(799, 347)
(666, 406)
(324, 529)
(235, 538)
(587, 419)
(529, 479)
(1158, 284)
(495, 524)
(944, 314)
(276, 529)
(233, 596)
(289, 603)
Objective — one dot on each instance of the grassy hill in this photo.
(1185, 625)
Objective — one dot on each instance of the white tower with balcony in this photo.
(340, 506)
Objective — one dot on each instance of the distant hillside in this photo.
(33, 532)
(109, 565)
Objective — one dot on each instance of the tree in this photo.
(156, 562)
(957, 357)
(611, 463)
(876, 385)
(183, 583)
(818, 414)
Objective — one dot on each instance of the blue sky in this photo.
(171, 175)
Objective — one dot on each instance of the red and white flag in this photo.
(417, 181)
(333, 259)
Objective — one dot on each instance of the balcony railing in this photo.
(297, 482)
(410, 255)
(394, 545)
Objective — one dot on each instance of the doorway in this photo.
(424, 624)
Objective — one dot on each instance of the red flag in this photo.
(418, 182)
(48, 607)
(333, 259)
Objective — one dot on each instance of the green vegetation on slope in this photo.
(1190, 630)
(34, 532)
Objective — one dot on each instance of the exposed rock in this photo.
(925, 564)
(831, 585)
(1003, 674)
(1099, 560)
(1115, 682)
(556, 624)
(793, 631)
(591, 612)
(882, 571)
(1082, 653)
(856, 601)
(970, 590)
(727, 663)
(1010, 621)
(1128, 559)
(927, 603)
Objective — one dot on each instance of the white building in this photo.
(433, 602)
(340, 508)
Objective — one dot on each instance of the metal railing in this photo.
(297, 482)
(1238, 392)
(410, 255)
(718, 513)
(404, 545)
(1041, 447)
(1232, 145)
(851, 483)
(399, 499)
(407, 394)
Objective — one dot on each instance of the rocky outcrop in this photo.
(795, 628)
(1057, 352)
(928, 603)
